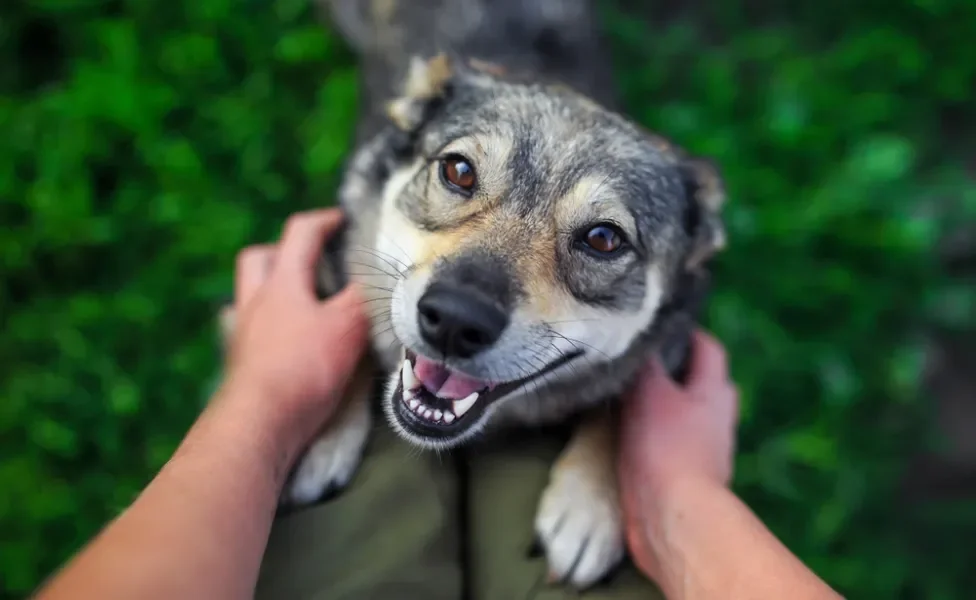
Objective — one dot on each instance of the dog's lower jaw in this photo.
(392, 403)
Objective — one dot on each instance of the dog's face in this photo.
(534, 233)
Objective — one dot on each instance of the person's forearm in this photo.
(205, 519)
(708, 544)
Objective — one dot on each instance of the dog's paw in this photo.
(580, 527)
(331, 461)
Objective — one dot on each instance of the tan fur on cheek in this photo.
(551, 304)
(415, 248)
(397, 237)
(400, 239)
(445, 244)
(537, 271)
(547, 299)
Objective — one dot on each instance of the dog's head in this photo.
(535, 234)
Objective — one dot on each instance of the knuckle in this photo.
(302, 224)
(296, 223)
(717, 348)
(252, 255)
(245, 255)
(716, 351)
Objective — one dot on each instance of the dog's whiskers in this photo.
(380, 298)
(377, 287)
(396, 264)
(378, 271)
(576, 343)
(406, 264)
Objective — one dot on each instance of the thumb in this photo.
(347, 308)
(653, 381)
(346, 328)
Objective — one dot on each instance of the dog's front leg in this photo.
(579, 521)
(332, 458)
(330, 461)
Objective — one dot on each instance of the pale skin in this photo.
(685, 529)
(207, 515)
(200, 527)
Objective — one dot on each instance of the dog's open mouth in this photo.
(436, 401)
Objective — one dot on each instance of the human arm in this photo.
(200, 527)
(685, 528)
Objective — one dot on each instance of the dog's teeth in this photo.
(463, 406)
(448, 417)
(414, 403)
(406, 375)
(438, 414)
(428, 413)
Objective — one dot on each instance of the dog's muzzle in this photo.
(434, 401)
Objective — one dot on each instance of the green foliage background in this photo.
(144, 142)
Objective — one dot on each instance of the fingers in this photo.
(347, 304)
(655, 379)
(708, 365)
(348, 337)
(653, 387)
(253, 267)
(708, 360)
(301, 243)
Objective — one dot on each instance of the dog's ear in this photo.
(706, 194)
(426, 83)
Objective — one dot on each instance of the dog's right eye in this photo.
(603, 240)
(458, 174)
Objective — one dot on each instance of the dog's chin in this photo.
(435, 406)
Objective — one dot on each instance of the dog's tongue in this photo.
(445, 383)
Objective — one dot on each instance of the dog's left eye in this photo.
(604, 239)
(458, 174)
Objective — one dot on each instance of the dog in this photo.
(523, 246)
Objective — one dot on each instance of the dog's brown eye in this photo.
(458, 173)
(603, 239)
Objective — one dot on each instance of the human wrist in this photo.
(261, 419)
(670, 495)
(667, 502)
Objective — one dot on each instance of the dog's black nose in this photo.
(459, 321)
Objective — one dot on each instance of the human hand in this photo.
(671, 434)
(290, 352)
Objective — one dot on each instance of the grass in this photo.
(145, 142)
